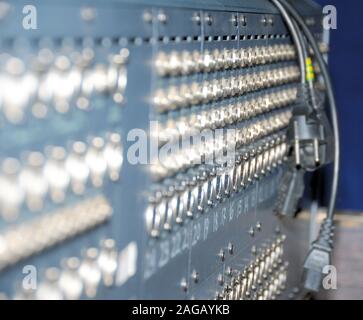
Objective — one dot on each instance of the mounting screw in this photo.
(254, 250)
(88, 14)
(220, 279)
(264, 20)
(235, 20)
(229, 271)
(221, 255)
(230, 248)
(251, 232)
(195, 276)
(147, 16)
(208, 19)
(258, 226)
(196, 18)
(243, 20)
(162, 18)
(184, 285)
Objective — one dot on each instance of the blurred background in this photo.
(346, 66)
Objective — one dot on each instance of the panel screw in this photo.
(235, 20)
(251, 232)
(221, 255)
(196, 18)
(208, 19)
(243, 20)
(195, 276)
(253, 250)
(230, 248)
(162, 18)
(258, 226)
(229, 271)
(184, 285)
(88, 14)
(147, 17)
(220, 279)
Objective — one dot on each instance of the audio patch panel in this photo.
(81, 216)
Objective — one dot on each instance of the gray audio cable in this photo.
(319, 255)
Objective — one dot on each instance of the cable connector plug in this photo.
(318, 257)
(291, 190)
(304, 99)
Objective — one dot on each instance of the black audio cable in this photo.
(331, 99)
(319, 255)
(299, 41)
(292, 184)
